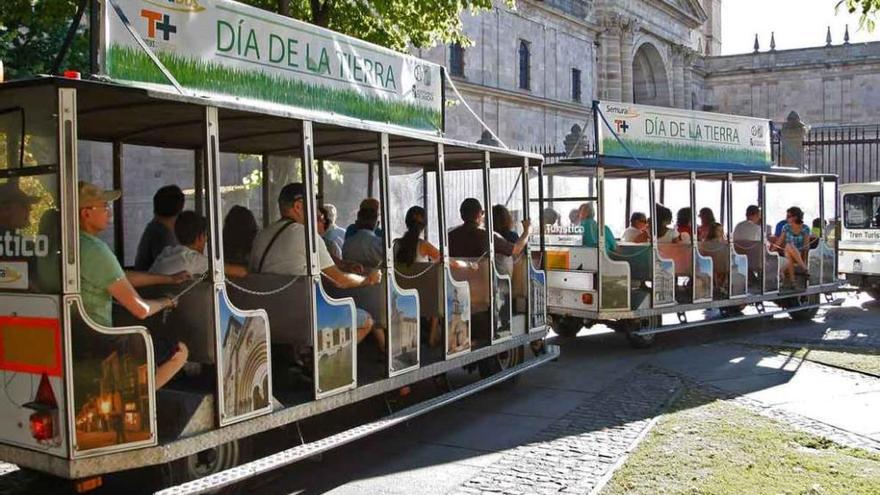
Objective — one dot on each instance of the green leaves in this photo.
(867, 8)
(32, 32)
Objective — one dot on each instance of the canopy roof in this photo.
(113, 112)
(665, 169)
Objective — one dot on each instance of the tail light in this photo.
(45, 407)
(587, 298)
(41, 426)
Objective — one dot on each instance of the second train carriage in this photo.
(673, 172)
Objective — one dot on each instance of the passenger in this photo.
(573, 216)
(159, 233)
(470, 240)
(239, 230)
(367, 204)
(665, 235)
(15, 207)
(683, 226)
(550, 217)
(637, 230)
(410, 249)
(707, 220)
(191, 230)
(713, 246)
(333, 232)
(281, 248)
(365, 247)
(502, 223)
(102, 280)
(750, 228)
(715, 232)
(332, 248)
(590, 236)
(794, 243)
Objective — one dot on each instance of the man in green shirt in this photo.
(102, 280)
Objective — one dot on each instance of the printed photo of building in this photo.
(404, 331)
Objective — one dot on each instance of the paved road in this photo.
(565, 425)
(502, 440)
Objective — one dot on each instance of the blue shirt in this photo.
(352, 230)
(796, 240)
(366, 248)
(779, 226)
(336, 235)
(590, 237)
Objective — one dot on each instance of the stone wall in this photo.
(832, 85)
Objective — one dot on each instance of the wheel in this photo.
(568, 327)
(728, 311)
(500, 362)
(207, 462)
(639, 341)
(805, 314)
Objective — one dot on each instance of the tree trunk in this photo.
(284, 7)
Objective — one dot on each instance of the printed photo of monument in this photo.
(502, 307)
(334, 345)
(404, 331)
(245, 362)
(458, 316)
(537, 298)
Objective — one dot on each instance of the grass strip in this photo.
(126, 63)
(703, 446)
(863, 360)
(689, 152)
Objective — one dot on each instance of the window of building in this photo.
(576, 84)
(525, 68)
(456, 60)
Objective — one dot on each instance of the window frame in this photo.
(524, 65)
(576, 85)
(456, 60)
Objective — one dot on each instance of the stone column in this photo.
(677, 76)
(628, 27)
(610, 40)
(689, 58)
(791, 145)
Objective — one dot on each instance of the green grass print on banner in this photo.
(132, 64)
(688, 152)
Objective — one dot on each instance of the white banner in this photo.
(660, 133)
(224, 48)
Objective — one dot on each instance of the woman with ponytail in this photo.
(411, 248)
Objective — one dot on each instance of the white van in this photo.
(859, 249)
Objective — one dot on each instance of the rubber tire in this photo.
(500, 362)
(567, 327)
(640, 341)
(226, 456)
(807, 314)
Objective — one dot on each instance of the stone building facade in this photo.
(657, 52)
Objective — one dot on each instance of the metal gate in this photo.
(851, 152)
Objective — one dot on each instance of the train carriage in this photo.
(265, 350)
(668, 174)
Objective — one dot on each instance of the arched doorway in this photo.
(650, 84)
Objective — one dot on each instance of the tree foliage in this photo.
(32, 31)
(867, 10)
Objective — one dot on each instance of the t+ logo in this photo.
(158, 21)
(621, 125)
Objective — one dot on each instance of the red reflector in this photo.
(587, 298)
(88, 484)
(41, 426)
(71, 74)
